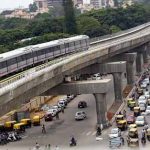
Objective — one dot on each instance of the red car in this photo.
(130, 119)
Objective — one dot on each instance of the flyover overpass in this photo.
(41, 79)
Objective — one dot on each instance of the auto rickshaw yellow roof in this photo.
(130, 99)
(132, 125)
(133, 129)
(122, 121)
(136, 107)
(36, 117)
(10, 122)
(119, 116)
(25, 119)
(18, 124)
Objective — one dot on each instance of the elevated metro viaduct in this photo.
(132, 47)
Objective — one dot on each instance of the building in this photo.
(20, 13)
(42, 5)
(97, 4)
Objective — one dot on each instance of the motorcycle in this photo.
(73, 142)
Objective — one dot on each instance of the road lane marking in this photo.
(94, 133)
(88, 133)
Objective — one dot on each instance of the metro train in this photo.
(22, 58)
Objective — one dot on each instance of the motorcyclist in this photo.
(98, 131)
(73, 141)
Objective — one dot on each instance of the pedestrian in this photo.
(122, 140)
(49, 147)
(124, 113)
(62, 110)
(57, 116)
(56, 148)
(37, 146)
(43, 129)
(120, 113)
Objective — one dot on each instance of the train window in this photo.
(71, 44)
(11, 61)
(3, 64)
(34, 54)
(67, 45)
(28, 56)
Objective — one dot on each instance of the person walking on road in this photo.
(124, 113)
(43, 129)
(49, 147)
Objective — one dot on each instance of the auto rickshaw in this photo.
(122, 125)
(132, 105)
(36, 120)
(19, 127)
(132, 126)
(140, 91)
(129, 100)
(27, 122)
(9, 125)
(119, 117)
(148, 134)
(132, 138)
(136, 111)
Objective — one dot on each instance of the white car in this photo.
(80, 115)
(146, 80)
(147, 94)
(61, 103)
(142, 107)
(96, 76)
(53, 112)
(147, 110)
(142, 99)
(143, 85)
(57, 107)
(140, 121)
(115, 132)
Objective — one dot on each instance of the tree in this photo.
(70, 20)
(33, 7)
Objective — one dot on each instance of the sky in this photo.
(10, 4)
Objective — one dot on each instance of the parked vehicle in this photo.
(27, 122)
(142, 107)
(61, 104)
(36, 120)
(137, 111)
(147, 110)
(48, 117)
(53, 112)
(130, 119)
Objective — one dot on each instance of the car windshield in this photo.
(140, 119)
(115, 131)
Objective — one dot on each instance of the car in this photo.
(52, 111)
(64, 100)
(142, 99)
(82, 104)
(146, 80)
(80, 115)
(130, 119)
(61, 103)
(143, 85)
(115, 132)
(45, 107)
(140, 121)
(147, 94)
(70, 97)
(57, 107)
(48, 117)
(142, 107)
(96, 76)
(147, 110)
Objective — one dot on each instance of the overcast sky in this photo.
(4, 4)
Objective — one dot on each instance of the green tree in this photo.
(33, 7)
(70, 20)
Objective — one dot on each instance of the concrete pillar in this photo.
(145, 54)
(139, 62)
(101, 108)
(131, 67)
(118, 85)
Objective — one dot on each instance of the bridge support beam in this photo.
(98, 88)
(130, 66)
(145, 54)
(101, 109)
(139, 63)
